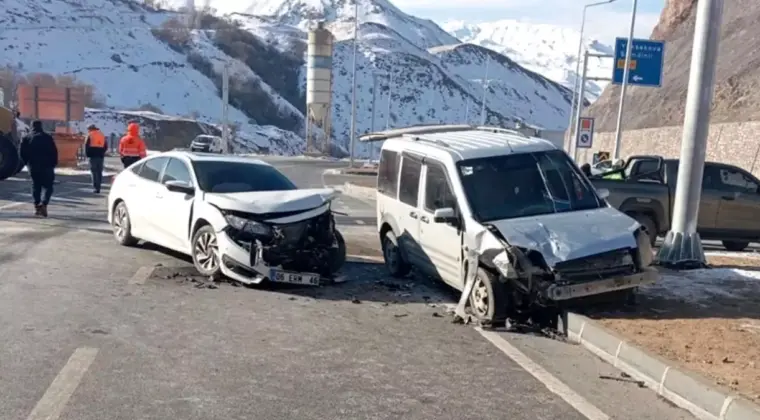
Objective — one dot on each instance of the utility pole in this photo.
(467, 111)
(682, 247)
(374, 108)
(626, 72)
(485, 92)
(390, 95)
(353, 90)
(573, 146)
(225, 108)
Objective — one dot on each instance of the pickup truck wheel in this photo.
(648, 224)
(488, 300)
(394, 261)
(735, 246)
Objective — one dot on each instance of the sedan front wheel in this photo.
(205, 250)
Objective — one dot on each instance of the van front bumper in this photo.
(644, 277)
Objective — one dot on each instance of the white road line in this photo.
(50, 406)
(552, 384)
(359, 222)
(141, 275)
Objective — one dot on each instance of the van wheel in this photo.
(394, 260)
(488, 300)
(735, 246)
(648, 224)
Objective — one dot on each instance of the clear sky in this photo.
(603, 22)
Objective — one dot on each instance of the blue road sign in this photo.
(647, 59)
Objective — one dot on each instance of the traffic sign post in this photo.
(586, 133)
(647, 62)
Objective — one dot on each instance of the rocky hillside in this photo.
(736, 98)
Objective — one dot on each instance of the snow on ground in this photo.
(702, 287)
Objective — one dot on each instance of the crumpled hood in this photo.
(263, 202)
(567, 236)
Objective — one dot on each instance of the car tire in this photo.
(204, 249)
(488, 300)
(735, 246)
(338, 253)
(121, 225)
(10, 161)
(393, 256)
(649, 225)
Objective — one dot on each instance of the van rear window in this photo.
(387, 175)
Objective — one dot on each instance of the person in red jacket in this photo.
(131, 146)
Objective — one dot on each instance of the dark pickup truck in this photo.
(729, 210)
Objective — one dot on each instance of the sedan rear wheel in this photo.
(122, 226)
(206, 256)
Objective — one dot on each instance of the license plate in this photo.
(294, 278)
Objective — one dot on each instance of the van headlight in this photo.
(644, 251)
(242, 224)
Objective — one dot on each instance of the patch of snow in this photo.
(699, 287)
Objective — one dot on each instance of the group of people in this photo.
(40, 155)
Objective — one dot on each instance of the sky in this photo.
(605, 22)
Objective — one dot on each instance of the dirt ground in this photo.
(708, 321)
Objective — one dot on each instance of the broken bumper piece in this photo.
(233, 267)
(556, 292)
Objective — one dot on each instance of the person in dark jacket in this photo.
(95, 148)
(40, 155)
(586, 169)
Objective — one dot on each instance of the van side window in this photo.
(387, 175)
(410, 181)
(438, 194)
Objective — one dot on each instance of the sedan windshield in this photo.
(526, 184)
(218, 176)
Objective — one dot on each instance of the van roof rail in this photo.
(416, 129)
(502, 130)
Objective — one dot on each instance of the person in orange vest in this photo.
(131, 146)
(95, 148)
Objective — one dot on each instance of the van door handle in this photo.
(159, 195)
(425, 219)
(413, 214)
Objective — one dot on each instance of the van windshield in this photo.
(525, 184)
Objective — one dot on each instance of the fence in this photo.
(733, 143)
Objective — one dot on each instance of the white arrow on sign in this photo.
(637, 78)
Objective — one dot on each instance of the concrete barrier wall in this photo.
(733, 143)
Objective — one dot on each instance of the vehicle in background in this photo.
(10, 161)
(601, 167)
(506, 218)
(207, 143)
(236, 217)
(728, 210)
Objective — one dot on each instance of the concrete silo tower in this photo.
(319, 89)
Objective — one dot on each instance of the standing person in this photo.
(95, 148)
(40, 155)
(131, 146)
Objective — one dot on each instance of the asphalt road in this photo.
(94, 331)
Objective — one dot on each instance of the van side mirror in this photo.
(603, 193)
(445, 215)
(180, 187)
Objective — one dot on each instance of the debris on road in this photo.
(705, 320)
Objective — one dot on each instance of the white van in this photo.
(512, 212)
(207, 143)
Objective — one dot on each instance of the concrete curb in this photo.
(685, 389)
(362, 193)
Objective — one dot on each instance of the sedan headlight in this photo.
(644, 251)
(248, 226)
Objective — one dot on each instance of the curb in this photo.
(362, 193)
(685, 389)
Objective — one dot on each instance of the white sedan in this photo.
(237, 217)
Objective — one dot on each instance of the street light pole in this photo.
(390, 95)
(353, 91)
(682, 247)
(578, 71)
(485, 92)
(626, 72)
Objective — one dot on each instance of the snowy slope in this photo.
(434, 78)
(109, 45)
(548, 50)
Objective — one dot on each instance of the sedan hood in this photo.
(265, 202)
(566, 236)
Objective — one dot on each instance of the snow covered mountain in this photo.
(548, 50)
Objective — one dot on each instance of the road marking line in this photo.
(552, 383)
(22, 203)
(52, 403)
(142, 275)
(359, 222)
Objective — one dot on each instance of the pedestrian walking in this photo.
(131, 146)
(95, 148)
(40, 155)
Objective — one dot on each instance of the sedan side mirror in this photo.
(603, 193)
(445, 215)
(180, 187)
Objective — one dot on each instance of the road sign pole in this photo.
(682, 247)
(626, 72)
(353, 89)
(582, 92)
